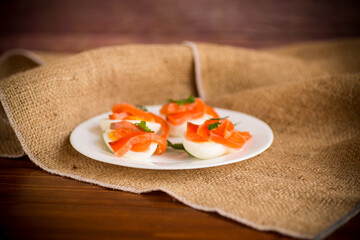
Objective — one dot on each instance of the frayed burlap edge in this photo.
(13, 155)
(31, 56)
(22, 52)
(197, 67)
(339, 223)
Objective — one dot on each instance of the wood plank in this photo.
(78, 25)
(38, 205)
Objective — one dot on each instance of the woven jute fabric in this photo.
(305, 185)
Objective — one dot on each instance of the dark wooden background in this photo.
(74, 25)
(38, 205)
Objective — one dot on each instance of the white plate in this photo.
(87, 139)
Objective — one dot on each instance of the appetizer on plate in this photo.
(134, 141)
(136, 114)
(179, 112)
(134, 133)
(214, 138)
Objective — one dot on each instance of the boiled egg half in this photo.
(205, 150)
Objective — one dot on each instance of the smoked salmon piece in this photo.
(125, 111)
(220, 131)
(178, 114)
(138, 141)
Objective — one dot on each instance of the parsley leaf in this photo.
(190, 99)
(218, 118)
(235, 124)
(213, 126)
(178, 146)
(143, 126)
(142, 108)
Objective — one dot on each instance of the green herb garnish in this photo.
(213, 126)
(142, 108)
(143, 126)
(218, 118)
(190, 99)
(178, 146)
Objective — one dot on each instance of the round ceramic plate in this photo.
(87, 139)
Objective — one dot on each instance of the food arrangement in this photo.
(179, 112)
(214, 138)
(134, 133)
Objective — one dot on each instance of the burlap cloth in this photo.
(305, 185)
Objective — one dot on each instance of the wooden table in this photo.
(69, 25)
(37, 205)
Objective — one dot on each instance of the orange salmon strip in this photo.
(164, 125)
(122, 129)
(126, 143)
(224, 133)
(118, 116)
(178, 115)
(132, 110)
(141, 147)
(125, 111)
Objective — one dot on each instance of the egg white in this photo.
(205, 150)
(105, 124)
(180, 130)
(131, 154)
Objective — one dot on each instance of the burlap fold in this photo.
(306, 185)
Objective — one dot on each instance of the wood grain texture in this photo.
(78, 25)
(38, 205)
